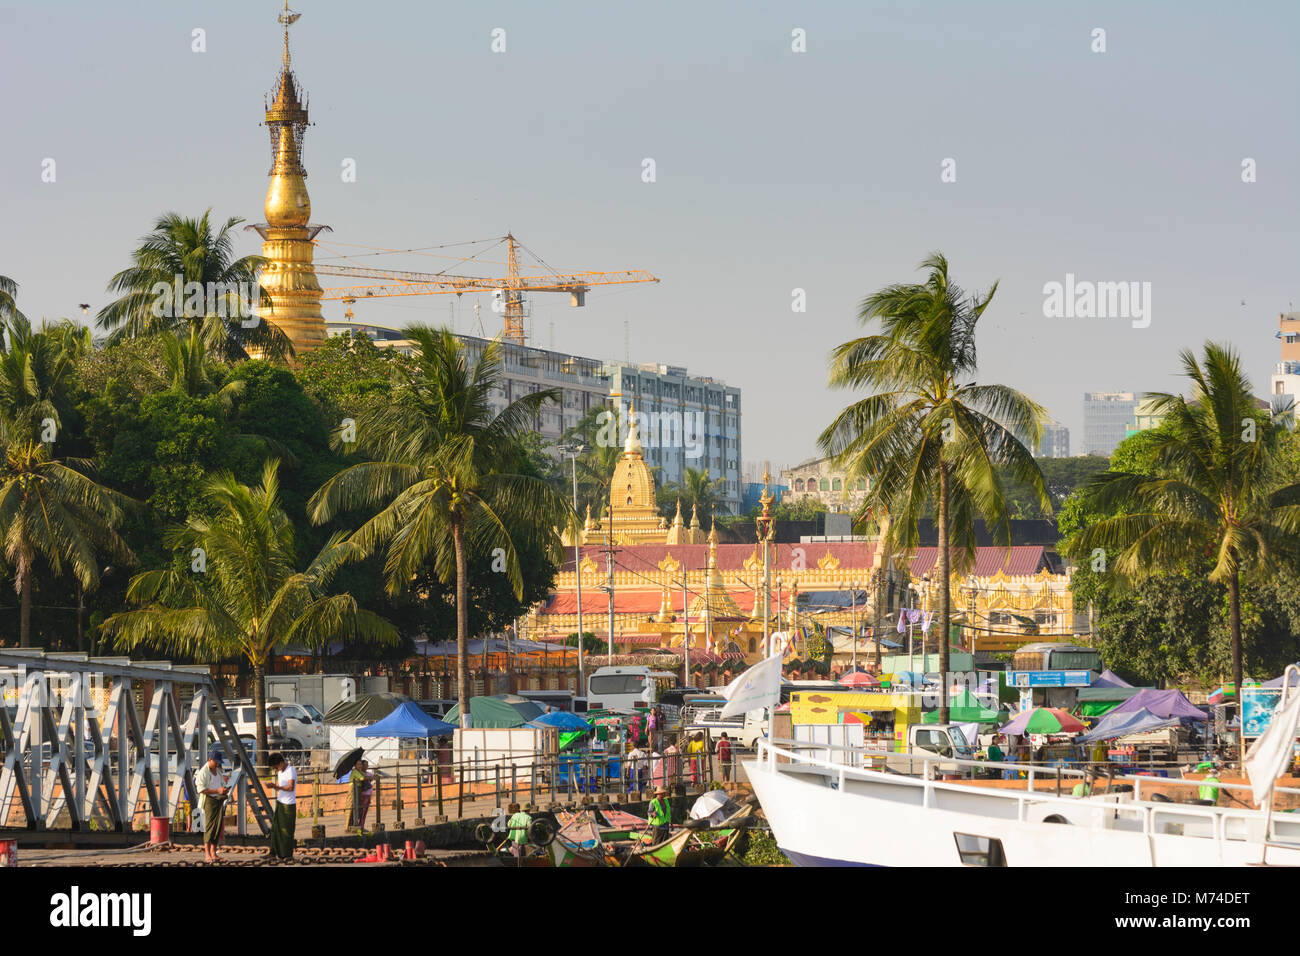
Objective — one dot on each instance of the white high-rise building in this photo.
(1106, 420)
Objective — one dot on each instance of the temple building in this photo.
(288, 276)
(677, 592)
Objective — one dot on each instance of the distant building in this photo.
(1145, 417)
(815, 479)
(1055, 443)
(1284, 386)
(685, 421)
(1106, 419)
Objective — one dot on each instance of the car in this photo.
(243, 714)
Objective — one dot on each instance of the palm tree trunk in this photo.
(945, 605)
(259, 707)
(1234, 625)
(25, 615)
(462, 622)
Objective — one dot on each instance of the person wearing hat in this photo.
(211, 784)
(661, 816)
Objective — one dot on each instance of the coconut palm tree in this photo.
(443, 477)
(1213, 491)
(8, 299)
(49, 509)
(928, 436)
(191, 251)
(696, 490)
(234, 590)
(192, 370)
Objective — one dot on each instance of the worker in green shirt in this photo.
(517, 826)
(1209, 788)
(661, 816)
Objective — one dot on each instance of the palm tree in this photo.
(695, 490)
(191, 251)
(444, 480)
(193, 372)
(1213, 491)
(234, 590)
(8, 299)
(927, 436)
(597, 461)
(50, 510)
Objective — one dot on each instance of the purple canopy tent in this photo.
(1162, 703)
(1108, 678)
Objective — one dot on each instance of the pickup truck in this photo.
(946, 740)
(743, 729)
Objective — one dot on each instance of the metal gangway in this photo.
(74, 743)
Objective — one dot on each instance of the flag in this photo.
(1270, 754)
(759, 686)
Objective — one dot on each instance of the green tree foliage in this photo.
(1211, 501)
(233, 588)
(446, 478)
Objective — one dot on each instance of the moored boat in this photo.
(824, 812)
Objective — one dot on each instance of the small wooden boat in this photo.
(578, 842)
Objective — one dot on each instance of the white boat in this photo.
(825, 812)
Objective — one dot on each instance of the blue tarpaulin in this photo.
(407, 720)
(1121, 724)
(1108, 678)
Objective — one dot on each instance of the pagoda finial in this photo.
(695, 516)
(677, 518)
(288, 18)
(632, 446)
(586, 525)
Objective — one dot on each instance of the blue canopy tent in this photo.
(1162, 703)
(1108, 678)
(1122, 723)
(408, 720)
(1277, 681)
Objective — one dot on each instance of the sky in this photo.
(828, 170)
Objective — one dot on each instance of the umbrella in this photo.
(858, 679)
(561, 720)
(1044, 720)
(347, 762)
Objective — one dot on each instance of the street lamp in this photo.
(573, 451)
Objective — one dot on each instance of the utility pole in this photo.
(853, 617)
(609, 568)
(574, 451)
(880, 619)
(686, 629)
(764, 523)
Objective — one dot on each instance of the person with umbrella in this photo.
(211, 784)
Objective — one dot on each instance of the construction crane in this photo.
(508, 291)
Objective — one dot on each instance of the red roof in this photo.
(627, 601)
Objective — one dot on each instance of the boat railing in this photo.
(1225, 824)
(797, 751)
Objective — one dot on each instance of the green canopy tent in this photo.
(965, 708)
(365, 710)
(1099, 701)
(503, 710)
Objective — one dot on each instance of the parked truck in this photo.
(321, 691)
(945, 740)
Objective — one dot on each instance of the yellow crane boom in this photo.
(511, 286)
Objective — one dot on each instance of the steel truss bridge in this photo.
(75, 750)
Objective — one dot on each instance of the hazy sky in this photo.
(775, 170)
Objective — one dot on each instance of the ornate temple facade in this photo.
(289, 277)
(676, 591)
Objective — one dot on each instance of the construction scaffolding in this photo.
(75, 750)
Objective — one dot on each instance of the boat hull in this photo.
(878, 821)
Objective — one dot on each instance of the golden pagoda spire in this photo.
(677, 518)
(632, 446)
(695, 517)
(289, 277)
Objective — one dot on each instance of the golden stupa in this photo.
(288, 276)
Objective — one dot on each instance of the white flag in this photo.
(1270, 754)
(759, 686)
